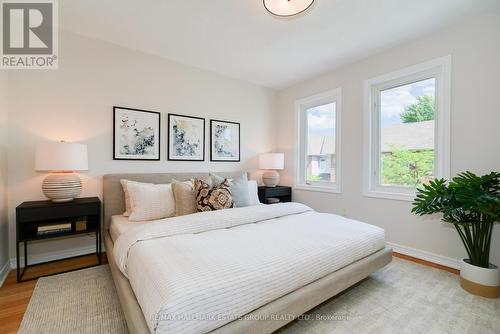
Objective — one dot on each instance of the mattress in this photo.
(195, 273)
(120, 224)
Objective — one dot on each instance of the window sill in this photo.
(307, 187)
(390, 195)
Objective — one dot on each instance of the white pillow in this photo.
(150, 201)
(124, 183)
(253, 192)
(127, 199)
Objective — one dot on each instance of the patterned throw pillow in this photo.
(217, 198)
(238, 187)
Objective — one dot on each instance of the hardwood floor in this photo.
(14, 297)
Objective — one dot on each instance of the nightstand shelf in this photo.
(282, 193)
(82, 216)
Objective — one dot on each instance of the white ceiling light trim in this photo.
(287, 7)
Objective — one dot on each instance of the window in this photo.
(319, 142)
(407, 127)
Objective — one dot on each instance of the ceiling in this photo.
(239, 39)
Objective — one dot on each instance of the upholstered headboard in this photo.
(114, 199)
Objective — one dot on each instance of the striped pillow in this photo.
(150, 201)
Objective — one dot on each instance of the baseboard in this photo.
(4, 272)
(424, 255)
(46, 257)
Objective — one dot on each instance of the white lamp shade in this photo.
(272, 161)
(287, 7)
(61, 157)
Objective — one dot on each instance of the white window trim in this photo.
(334, 95)
(439, 68)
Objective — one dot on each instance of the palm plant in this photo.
(471, 203)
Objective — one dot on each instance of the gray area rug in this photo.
(403, 297)
(82, 301)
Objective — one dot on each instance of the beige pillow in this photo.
(150, 201)
(185, 197)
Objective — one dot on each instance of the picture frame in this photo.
(136, 134)
(225, 141)
(186, 138)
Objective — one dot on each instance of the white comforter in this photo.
(195, 273)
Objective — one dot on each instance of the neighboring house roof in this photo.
(321, 145)
(412, 136)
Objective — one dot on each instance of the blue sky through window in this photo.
(321, 120)
(393, 101)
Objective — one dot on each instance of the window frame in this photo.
(440, 70)
(301, 106)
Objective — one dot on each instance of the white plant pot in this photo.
(479, 281)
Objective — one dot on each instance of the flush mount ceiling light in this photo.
(287, 7)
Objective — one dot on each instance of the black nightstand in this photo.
(282, 193)
(38, 220)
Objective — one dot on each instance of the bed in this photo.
(243, 270)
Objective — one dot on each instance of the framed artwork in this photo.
(136, 134)
(186, 138)
(224, 141)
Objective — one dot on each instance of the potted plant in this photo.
(472, 204)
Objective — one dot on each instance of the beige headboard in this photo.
(114, 199)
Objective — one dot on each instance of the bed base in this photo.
(290, 306)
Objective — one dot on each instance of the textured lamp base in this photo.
(62, 187)
(271, 178)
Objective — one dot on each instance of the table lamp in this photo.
(272, 162)
(61, 160)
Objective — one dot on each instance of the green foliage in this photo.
(471, 203)
(422, 110)
(407, 168)
(313, 178)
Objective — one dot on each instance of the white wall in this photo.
(475, 134)
(4, 254)
(75, 103)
